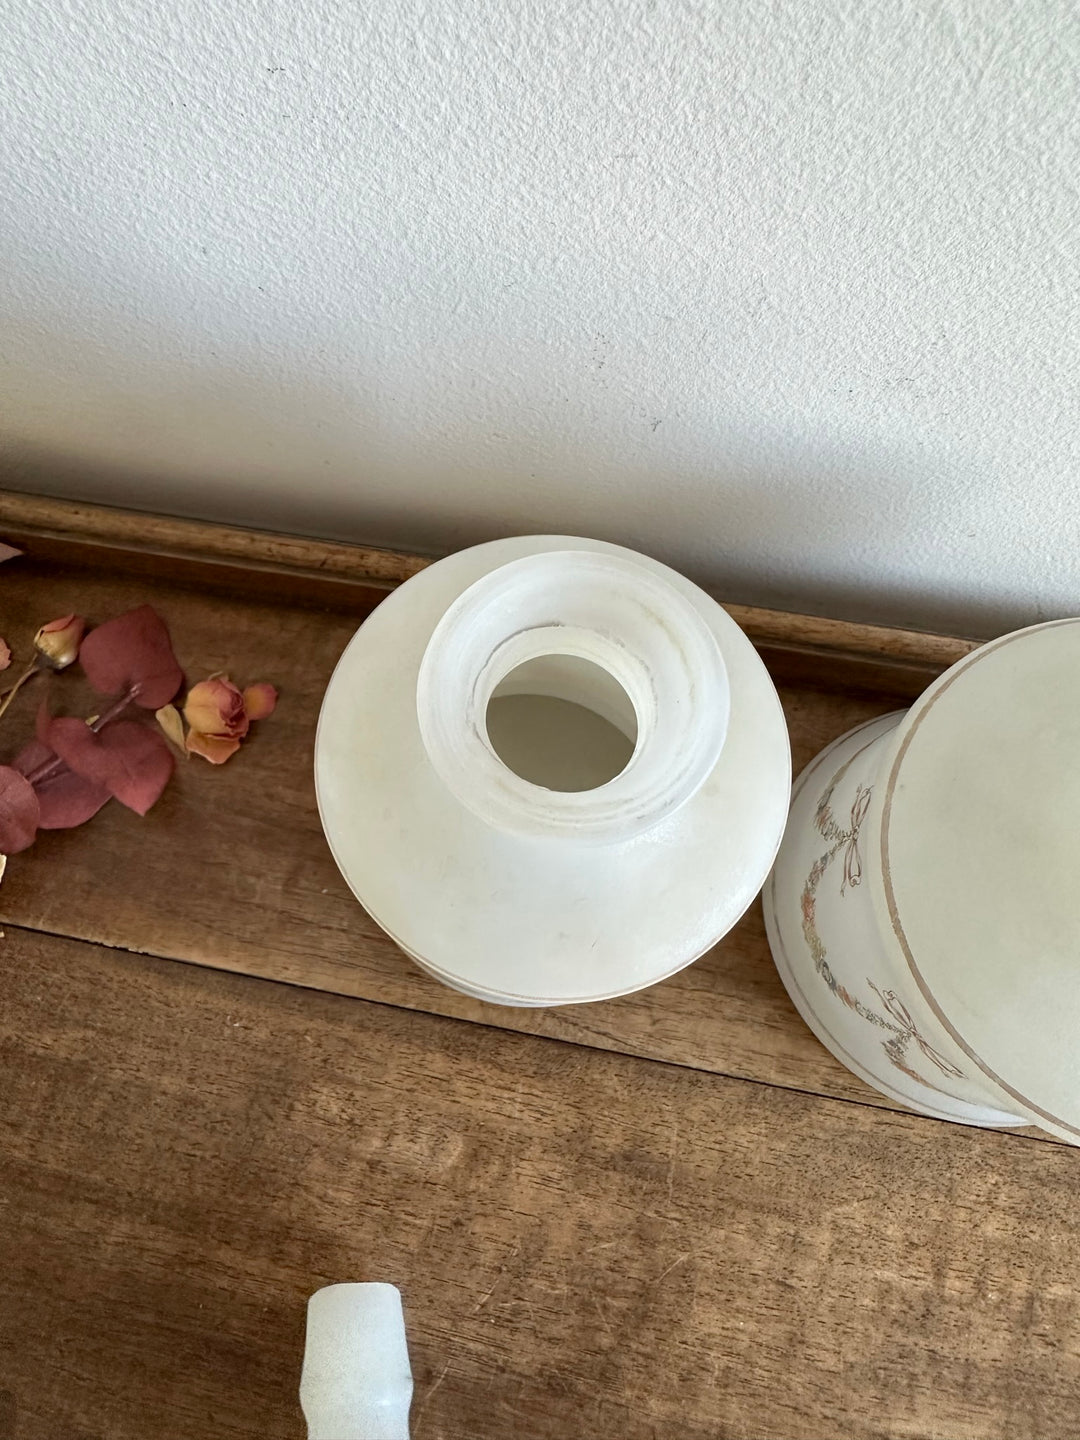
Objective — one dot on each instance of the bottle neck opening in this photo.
(573, 694)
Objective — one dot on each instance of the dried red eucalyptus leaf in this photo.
(129, 760)
(67, 799)
(31, 757)
(20, 812)
(5, 654)
(8, 552)
(42, 721)
(133, 653)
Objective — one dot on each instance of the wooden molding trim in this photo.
(38, 516)
(73, 526)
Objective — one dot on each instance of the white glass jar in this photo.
(553, 770)
(924, 910)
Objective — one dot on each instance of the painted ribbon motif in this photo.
(897, 1019)
(900, 1013)
(852, 858)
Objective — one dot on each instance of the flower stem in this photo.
(9, 695)
(49, 769)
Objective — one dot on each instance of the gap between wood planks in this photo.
(1029, 1133)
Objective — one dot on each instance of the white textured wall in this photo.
(785, 293)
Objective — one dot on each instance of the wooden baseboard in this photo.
(806, 647)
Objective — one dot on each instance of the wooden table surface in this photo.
(671, 1215)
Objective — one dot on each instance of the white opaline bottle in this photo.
(552, 769)
(924, 911)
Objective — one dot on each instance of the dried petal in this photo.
(215, 748)
(168, 717)
(216, 707)
(67, 799)
(58, 642)
(130, 760)
(260, 700)
(133, 652)
(20, 812)
(8, 552)
(5, 654)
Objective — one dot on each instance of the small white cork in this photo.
(356, 1382)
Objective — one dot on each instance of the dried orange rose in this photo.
(219, 714)
(58, 641)
(216, 707)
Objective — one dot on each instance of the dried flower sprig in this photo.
(56, 646)
(73, 767)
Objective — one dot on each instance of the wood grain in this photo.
(231, 870)
(587, 1244)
